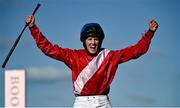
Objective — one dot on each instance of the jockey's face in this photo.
(92, 45)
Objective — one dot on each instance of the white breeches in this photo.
(96, 101)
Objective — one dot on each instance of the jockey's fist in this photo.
(153, 25)
(30, 20)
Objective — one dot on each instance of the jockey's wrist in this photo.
(31, 25)
(152, 30)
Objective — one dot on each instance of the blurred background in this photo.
(150, 81)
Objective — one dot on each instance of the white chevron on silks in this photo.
(89, 71)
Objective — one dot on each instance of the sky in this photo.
(151, 80)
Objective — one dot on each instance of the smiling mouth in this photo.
(93, 47)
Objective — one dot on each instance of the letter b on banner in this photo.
(15, 89)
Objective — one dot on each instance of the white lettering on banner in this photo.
(89, 71)
(15, 89)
